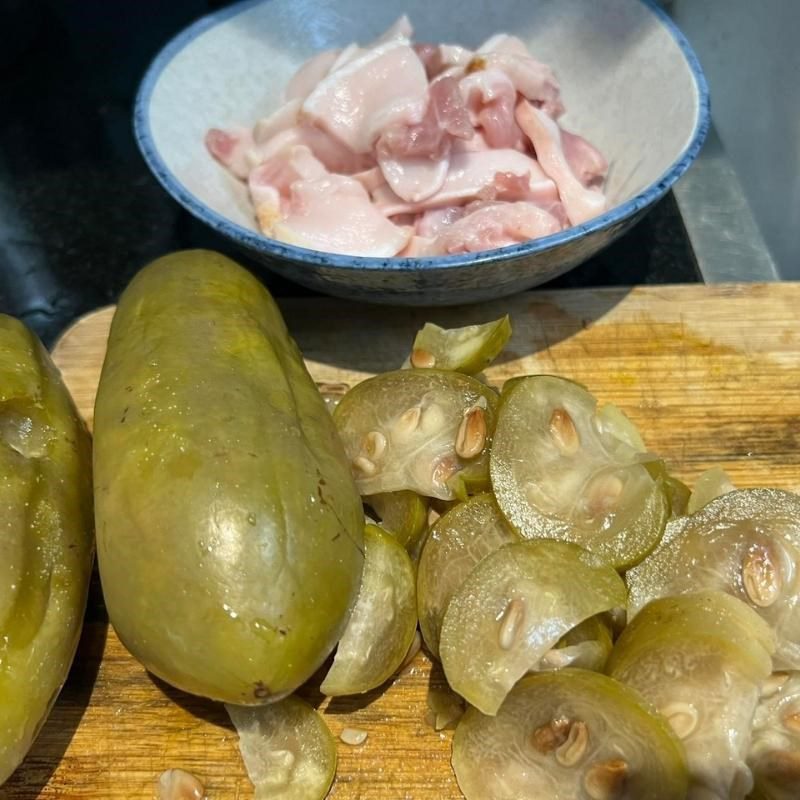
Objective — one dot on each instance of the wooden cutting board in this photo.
(710, 374)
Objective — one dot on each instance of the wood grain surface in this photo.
(710, 374)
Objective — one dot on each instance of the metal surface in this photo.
(726, 240)
(751, 59)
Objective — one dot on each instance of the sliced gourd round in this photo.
(713, 483)
(469, 350)
(586, 646)
(774, 755)
(403, 514)
(445, 708)
(384, 619)
(456, 543)
(700, 660)
(561, 470)
(748, 640)
(614, 422)
(678, 493)
(513, 608)
(288, 751)
(569, 735)
(423, 430)
(746, 543)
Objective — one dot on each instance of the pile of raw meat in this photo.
(396, 149)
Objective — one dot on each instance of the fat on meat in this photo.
(491, 99)
(470, 174)
(494, 225)
(415, 159)
(334, 214)
(382, 87)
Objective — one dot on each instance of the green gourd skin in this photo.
(230, 531)
(46, 537)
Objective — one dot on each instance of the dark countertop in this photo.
(79, 211)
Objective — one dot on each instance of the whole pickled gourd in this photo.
(230, 531)
(46, 537)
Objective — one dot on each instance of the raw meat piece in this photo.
(271, 182)
(417, 247)
(395, 148)
(334, 155)
(350, 53)
(401, 30)
(305, 80)
(445, 118)
(505, 43)
(584, 159)
(414, 178)
(334, 214)
(384, 86)
(438, 58)
(469, 174)
(231, 148)
(532, 79)
(496, 225)
(432, 222)
(414, 159)
(370, 179)
(278, 122)
(580, 202)
(491, 98)
(474, 145)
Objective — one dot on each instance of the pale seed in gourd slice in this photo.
(774, 755)
(745, 543)
(569, 735)
(700, 660)
(469, 349)
(513, 608)
(423, 430)
(563, 469)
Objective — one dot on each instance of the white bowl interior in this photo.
(625, 82)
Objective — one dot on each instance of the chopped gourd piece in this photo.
(774, 756)
(456, 543)
(746, 543)
(423, 430)
(469, 349)
(700, 660)
(403, 514)
(562, 469)
(513, 608)
(569, 735)
(384, 620)
(713, 483)
(586, 646)
(287, 749)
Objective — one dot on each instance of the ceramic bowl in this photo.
(630, 82)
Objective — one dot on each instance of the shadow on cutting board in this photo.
(201, 707)
(371, 338)
(215, 713)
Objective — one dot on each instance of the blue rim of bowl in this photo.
(274, 248)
